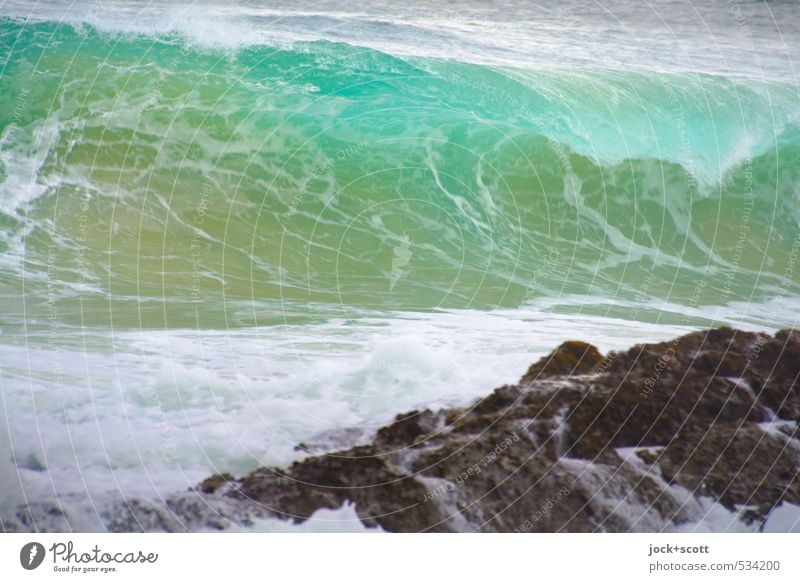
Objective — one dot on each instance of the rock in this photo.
(334, 440)
(629, 416)
(408, 428)
(738, 465)
(34, 462)
(212, 484)
(384, 494)
(570, 358)
(775, 372)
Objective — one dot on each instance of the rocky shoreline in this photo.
(662, 437)
(644, 440)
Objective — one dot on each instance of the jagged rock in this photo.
(384, 495)
(628, 416)
(775, 372)
(408, 428)
(738, 465)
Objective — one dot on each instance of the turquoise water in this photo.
(146, 169)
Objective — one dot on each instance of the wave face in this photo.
(149, 171)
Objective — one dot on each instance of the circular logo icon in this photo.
(31, 555)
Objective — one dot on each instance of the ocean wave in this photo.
(140, 167)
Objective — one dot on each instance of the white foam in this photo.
(713, 518)
(501, 34)
(342, 520)
(23, 151)
(783, 519)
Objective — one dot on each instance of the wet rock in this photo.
(384, 494)
(408, 428)
(212, 484)
(335, 440)
(631, 415)
(738, 465)
(776, 371)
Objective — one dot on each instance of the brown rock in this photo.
(570, 358)
(407, 429)
(212, 484)
(738, 465)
